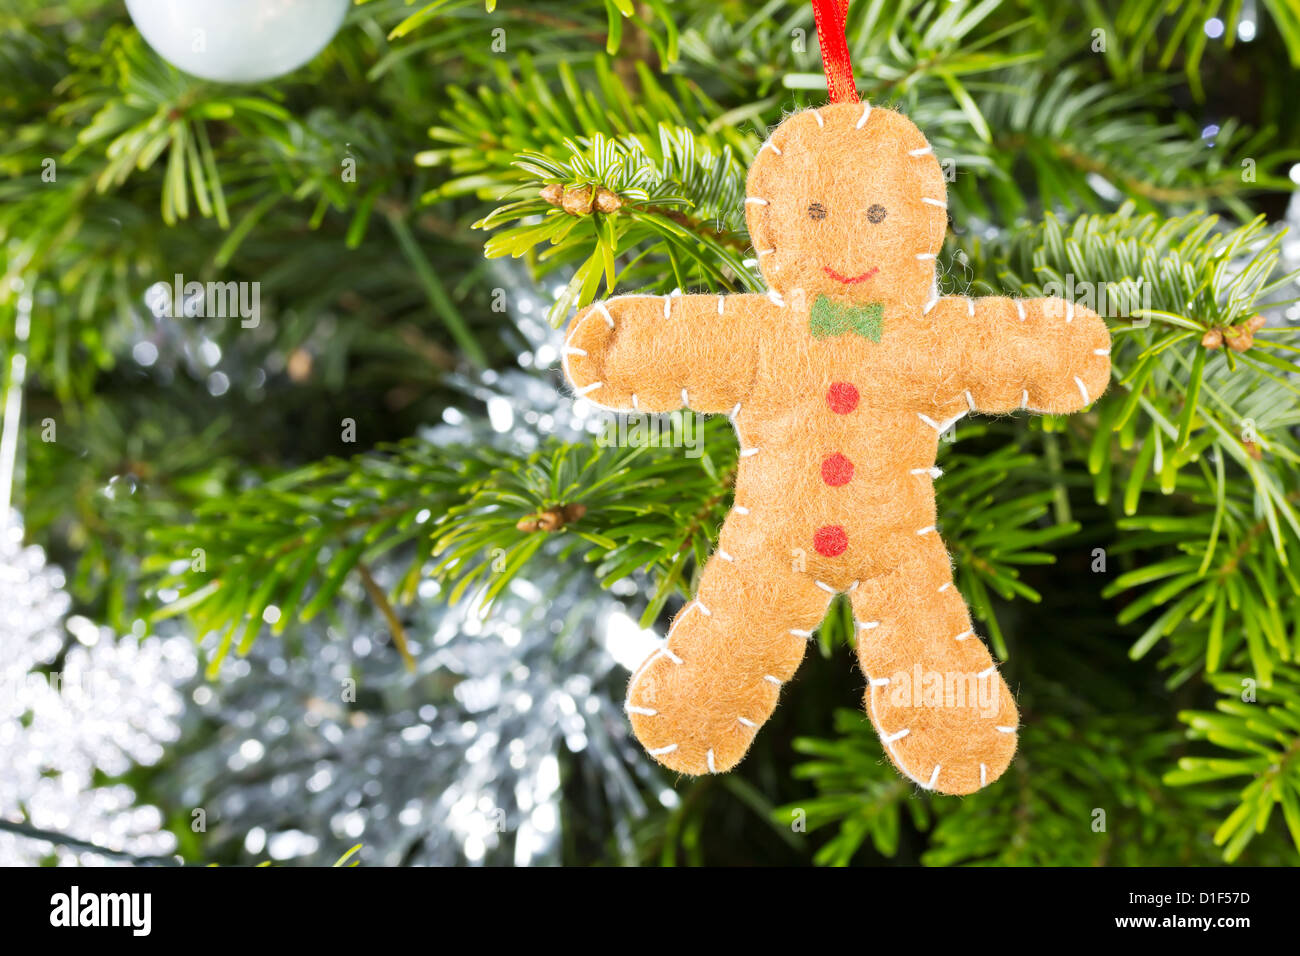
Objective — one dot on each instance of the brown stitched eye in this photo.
(876, 213)
(816, 211)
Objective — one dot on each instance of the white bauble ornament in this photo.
(237, 41)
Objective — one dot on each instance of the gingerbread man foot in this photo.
(943, 712)
(697, 703)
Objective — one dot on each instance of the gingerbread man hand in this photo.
(839, 382)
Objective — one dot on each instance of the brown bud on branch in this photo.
(581, 200)
(1239, 337)
(552, 519)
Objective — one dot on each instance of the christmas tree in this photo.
(281, 321)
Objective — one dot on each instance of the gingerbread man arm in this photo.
(655, 353)
(999, 355)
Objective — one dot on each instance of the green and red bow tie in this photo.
(830, 318)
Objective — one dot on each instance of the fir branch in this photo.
(63, 839)
(453, 512)
(1264, 735)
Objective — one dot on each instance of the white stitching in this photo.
(645, 665)
(964, 635)
(987, 672)
(969, 400)
(724, 556)
(1101, 351)
(746, 453)
(984, 776)
(574, 350)
(970, 306)
(920, 152)
(587, 389)
(708, 759)
(704, 610)
(826, 587)
(866, 112)
(1005, 730)
(1069, 311)
(1083, 389)
(770, 145)
(818, 117)
(934, 778)
(668, 306)
(776, 298)
(932, 472)
(926, 255)
(772, 680)
(757, 201)
(740, 510)
(747, 723)
(659, 751)
(721, 300)
(600, 307)
(1020, 308)
(645, 711)
(926, 530)
(886, 739)
(941, 427)
(934, 202)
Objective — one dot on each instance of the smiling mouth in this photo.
(849, 280)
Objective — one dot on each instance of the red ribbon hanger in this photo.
(830, 17)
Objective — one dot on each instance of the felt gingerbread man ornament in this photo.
(839, 381)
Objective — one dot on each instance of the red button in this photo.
(837, 470)
(830, 540)
(842, 398)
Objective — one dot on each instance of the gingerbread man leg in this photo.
(942, 710)
(697, 703)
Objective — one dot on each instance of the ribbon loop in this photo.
(831, 17)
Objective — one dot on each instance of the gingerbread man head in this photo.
(848, 201)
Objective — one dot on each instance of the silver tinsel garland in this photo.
(70, 710)
(322, 740)
(305, 752)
